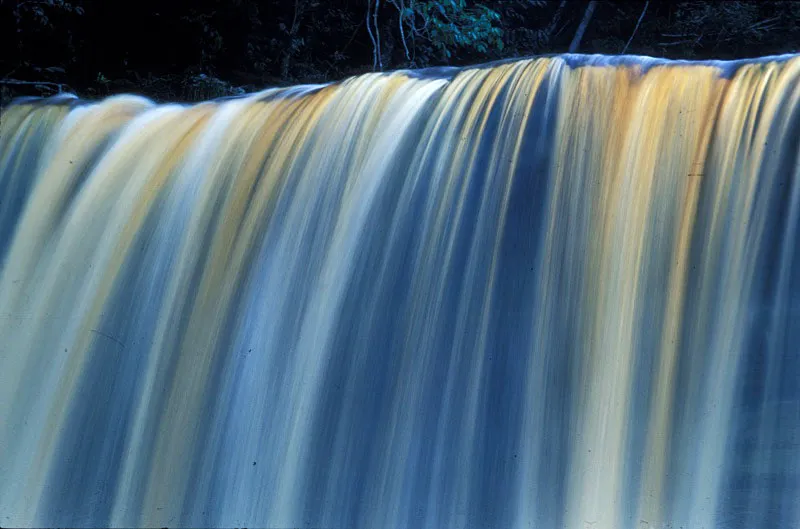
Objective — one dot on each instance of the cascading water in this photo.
(558, 292)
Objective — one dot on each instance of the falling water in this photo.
(558, 292)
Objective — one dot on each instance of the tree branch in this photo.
(18, 82)
(299, 7)
(551, 27)
(352, 37)
(587, 16)
(377, 34)
(372, 37)
(637, 27)
(400, 8)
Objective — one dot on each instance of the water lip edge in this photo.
(573, 60)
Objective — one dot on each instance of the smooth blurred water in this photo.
(555, 292)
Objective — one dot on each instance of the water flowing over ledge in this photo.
(553, 292)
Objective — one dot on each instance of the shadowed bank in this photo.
(554, 292)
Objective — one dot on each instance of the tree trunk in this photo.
(587, 16)
(637, 27)
(286, 60)
(551, 27)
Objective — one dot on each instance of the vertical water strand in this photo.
(103, 238)
(626, 175)
(369, 183)
(27, 132)
(521, 241)
(477, 313)
(257, 380)
(208, 175)
(37, 290)
(712, 382)
(65, 162)
(247, 213)
(555, 316)
(430, 457)
(772, 419)
(367, 358)
(454, 420)
(563, 305)
(715, 344)
(246, 401)
(63, 167)
(602, 371)
(287, 265)
(229, 159)
(172, 218)
(775, 465)
(678, 175)
(292, 260)
(187, 188)
(363, 176)
(435, 179)
(700, 307)
(110, 352)
(435, 285)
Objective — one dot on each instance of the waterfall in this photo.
(553, 292)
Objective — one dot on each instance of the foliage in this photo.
(453, 24)
(735, 20)
(196, 49)
(202, 87)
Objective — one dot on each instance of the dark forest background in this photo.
(194, 50)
